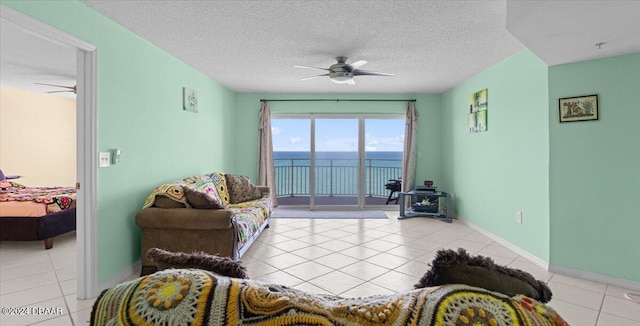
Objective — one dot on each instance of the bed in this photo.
(36, 213)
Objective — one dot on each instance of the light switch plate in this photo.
(116, 156)
(104, 159)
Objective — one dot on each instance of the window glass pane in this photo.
(384, 143)
(291, 158)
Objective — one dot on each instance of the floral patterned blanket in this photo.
(56, 198)
(249, 216)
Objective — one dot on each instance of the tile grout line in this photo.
(64, 298)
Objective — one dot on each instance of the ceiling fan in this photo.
(343, 73)
(68, 88)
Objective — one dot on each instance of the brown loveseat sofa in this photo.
(216, 213)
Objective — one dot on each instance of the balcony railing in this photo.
(334, 177)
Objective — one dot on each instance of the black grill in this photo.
(394, 185)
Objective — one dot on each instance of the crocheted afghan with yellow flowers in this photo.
(197, 297)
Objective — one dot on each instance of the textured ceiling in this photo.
(567, 31)
(26, 59)
(252, 46)
(430, 46)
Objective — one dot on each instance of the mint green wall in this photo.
(595, 169)
(524, 159)
(140, 112)
(427, 105)
(493, 174)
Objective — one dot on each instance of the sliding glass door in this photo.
(292, 160)
(340, 161)
(384, 143)
(336, 162)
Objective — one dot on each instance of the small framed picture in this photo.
(189, 100)
(579, 108)
(478, 107)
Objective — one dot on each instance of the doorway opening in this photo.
(85, 142)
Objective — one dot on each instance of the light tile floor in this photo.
(344, 257)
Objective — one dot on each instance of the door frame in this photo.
(86, 143)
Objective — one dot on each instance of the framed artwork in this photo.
(472, 122)
(481, 121)
(189, 100)
(478, 107)
(579, 108)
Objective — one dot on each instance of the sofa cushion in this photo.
(241, 189)
(451, 267)
(224, 266)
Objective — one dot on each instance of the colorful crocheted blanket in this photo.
(196, 297)
(56, 198)
(208, 183)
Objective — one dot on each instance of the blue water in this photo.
(336, 173)
(376, 159)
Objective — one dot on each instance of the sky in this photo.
(337, 135)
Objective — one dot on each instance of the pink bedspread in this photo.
(55, 198)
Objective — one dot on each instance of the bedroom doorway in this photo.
(85, 142)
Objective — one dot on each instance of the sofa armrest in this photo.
(184, 218)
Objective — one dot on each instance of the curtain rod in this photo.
(336, 100)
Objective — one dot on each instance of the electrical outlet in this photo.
(104, 159)
(519, 217)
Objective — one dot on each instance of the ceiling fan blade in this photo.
(307, 78)
(356, 65)
(69, 91)
(308, 67)
(370, 73)
(54, 85)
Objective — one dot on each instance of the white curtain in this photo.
(409, 155)
(266, 171)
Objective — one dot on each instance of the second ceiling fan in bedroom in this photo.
(343, 73)
(70, 89)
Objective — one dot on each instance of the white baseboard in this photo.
(626, 284)
(521, 252)
(132, 271)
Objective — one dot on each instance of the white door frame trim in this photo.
(86, 142)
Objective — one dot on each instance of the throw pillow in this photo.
(220, 184)
(166, 202)
(172, 191)
(451, 267)
(241, 189)
(224, 266)
(202, 198)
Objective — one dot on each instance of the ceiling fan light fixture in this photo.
(341, 80)
(340, 77)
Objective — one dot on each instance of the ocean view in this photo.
(336, 172)
(390, 159)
